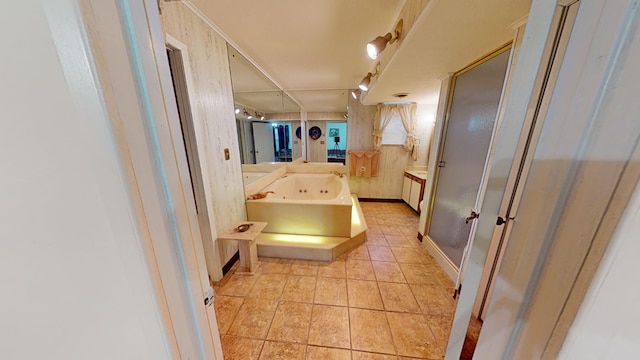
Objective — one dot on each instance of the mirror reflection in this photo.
(267, 119)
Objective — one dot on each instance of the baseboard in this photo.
(230, 263)
(441, 258)
(380, 200)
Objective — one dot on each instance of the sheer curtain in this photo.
(380, 121)
(407, 114)
(408, 117)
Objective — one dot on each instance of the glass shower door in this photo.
(473, 108)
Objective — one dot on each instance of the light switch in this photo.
(226, 154)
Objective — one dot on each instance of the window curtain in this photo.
(407, 114)
(408, 117)
(380, 121)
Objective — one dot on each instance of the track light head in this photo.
(364, 84)
(375, 46)
(355, 93)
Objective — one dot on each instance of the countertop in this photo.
(420, 174)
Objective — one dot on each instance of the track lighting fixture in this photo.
(364, 84)
(375, 46)
(355, 93)
(250, 114)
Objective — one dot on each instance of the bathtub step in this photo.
(308, 247)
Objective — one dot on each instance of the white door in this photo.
(414, 196)
(522, 156)
(263, 142)
(508, 158)
(472, 113)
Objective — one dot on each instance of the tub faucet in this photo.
(337, 173)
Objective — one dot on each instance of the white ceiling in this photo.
(315, 49)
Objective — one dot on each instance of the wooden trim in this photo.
(380, 200)
(230, 263)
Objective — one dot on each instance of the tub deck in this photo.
(314, 247)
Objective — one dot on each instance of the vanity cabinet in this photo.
(413, 190)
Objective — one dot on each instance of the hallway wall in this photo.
(215, 124)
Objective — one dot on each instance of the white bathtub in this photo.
(306, 204)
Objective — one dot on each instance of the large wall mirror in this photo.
(268, 121)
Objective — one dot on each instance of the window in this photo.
(394, 133)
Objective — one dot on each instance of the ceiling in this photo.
(314, 50)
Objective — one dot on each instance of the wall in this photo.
(606, 327)
(216, 126)
(393, 158)
(75, 277)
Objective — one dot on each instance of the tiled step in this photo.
(308, 247)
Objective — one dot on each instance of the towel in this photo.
(363, 163)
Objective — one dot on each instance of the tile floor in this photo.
(386, 299)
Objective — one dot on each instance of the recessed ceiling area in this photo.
(315, 50)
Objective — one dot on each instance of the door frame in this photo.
(454, 269)
(132, 67)
(189, 116)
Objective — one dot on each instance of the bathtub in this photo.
(305, 204)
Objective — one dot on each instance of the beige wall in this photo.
(393, 158)
(215, 125)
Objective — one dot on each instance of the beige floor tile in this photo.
(291, 322)
(304, 269)
(334, 269)
(331, 291)
(236, 348)
(374, 229)
(364, 294)
(441, 328)
(359, 253)
(226, 309)
(359, 355)
(274, 268)
(398, 297)
(398, 240)
(370, 331)
(268, 286)
(299, 288)
(323, 353)
(280, 351)
(410, 230)
(434, 300)
(406, 255)
(381, 253)
(390, 230)
(412, 336)
(330, 327)
(419, 274)
(253, 318)
(238, 285)
(360, 269)
(388, 272)
(376, 239)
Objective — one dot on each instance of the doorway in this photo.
(336, 141)
(263, 142)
